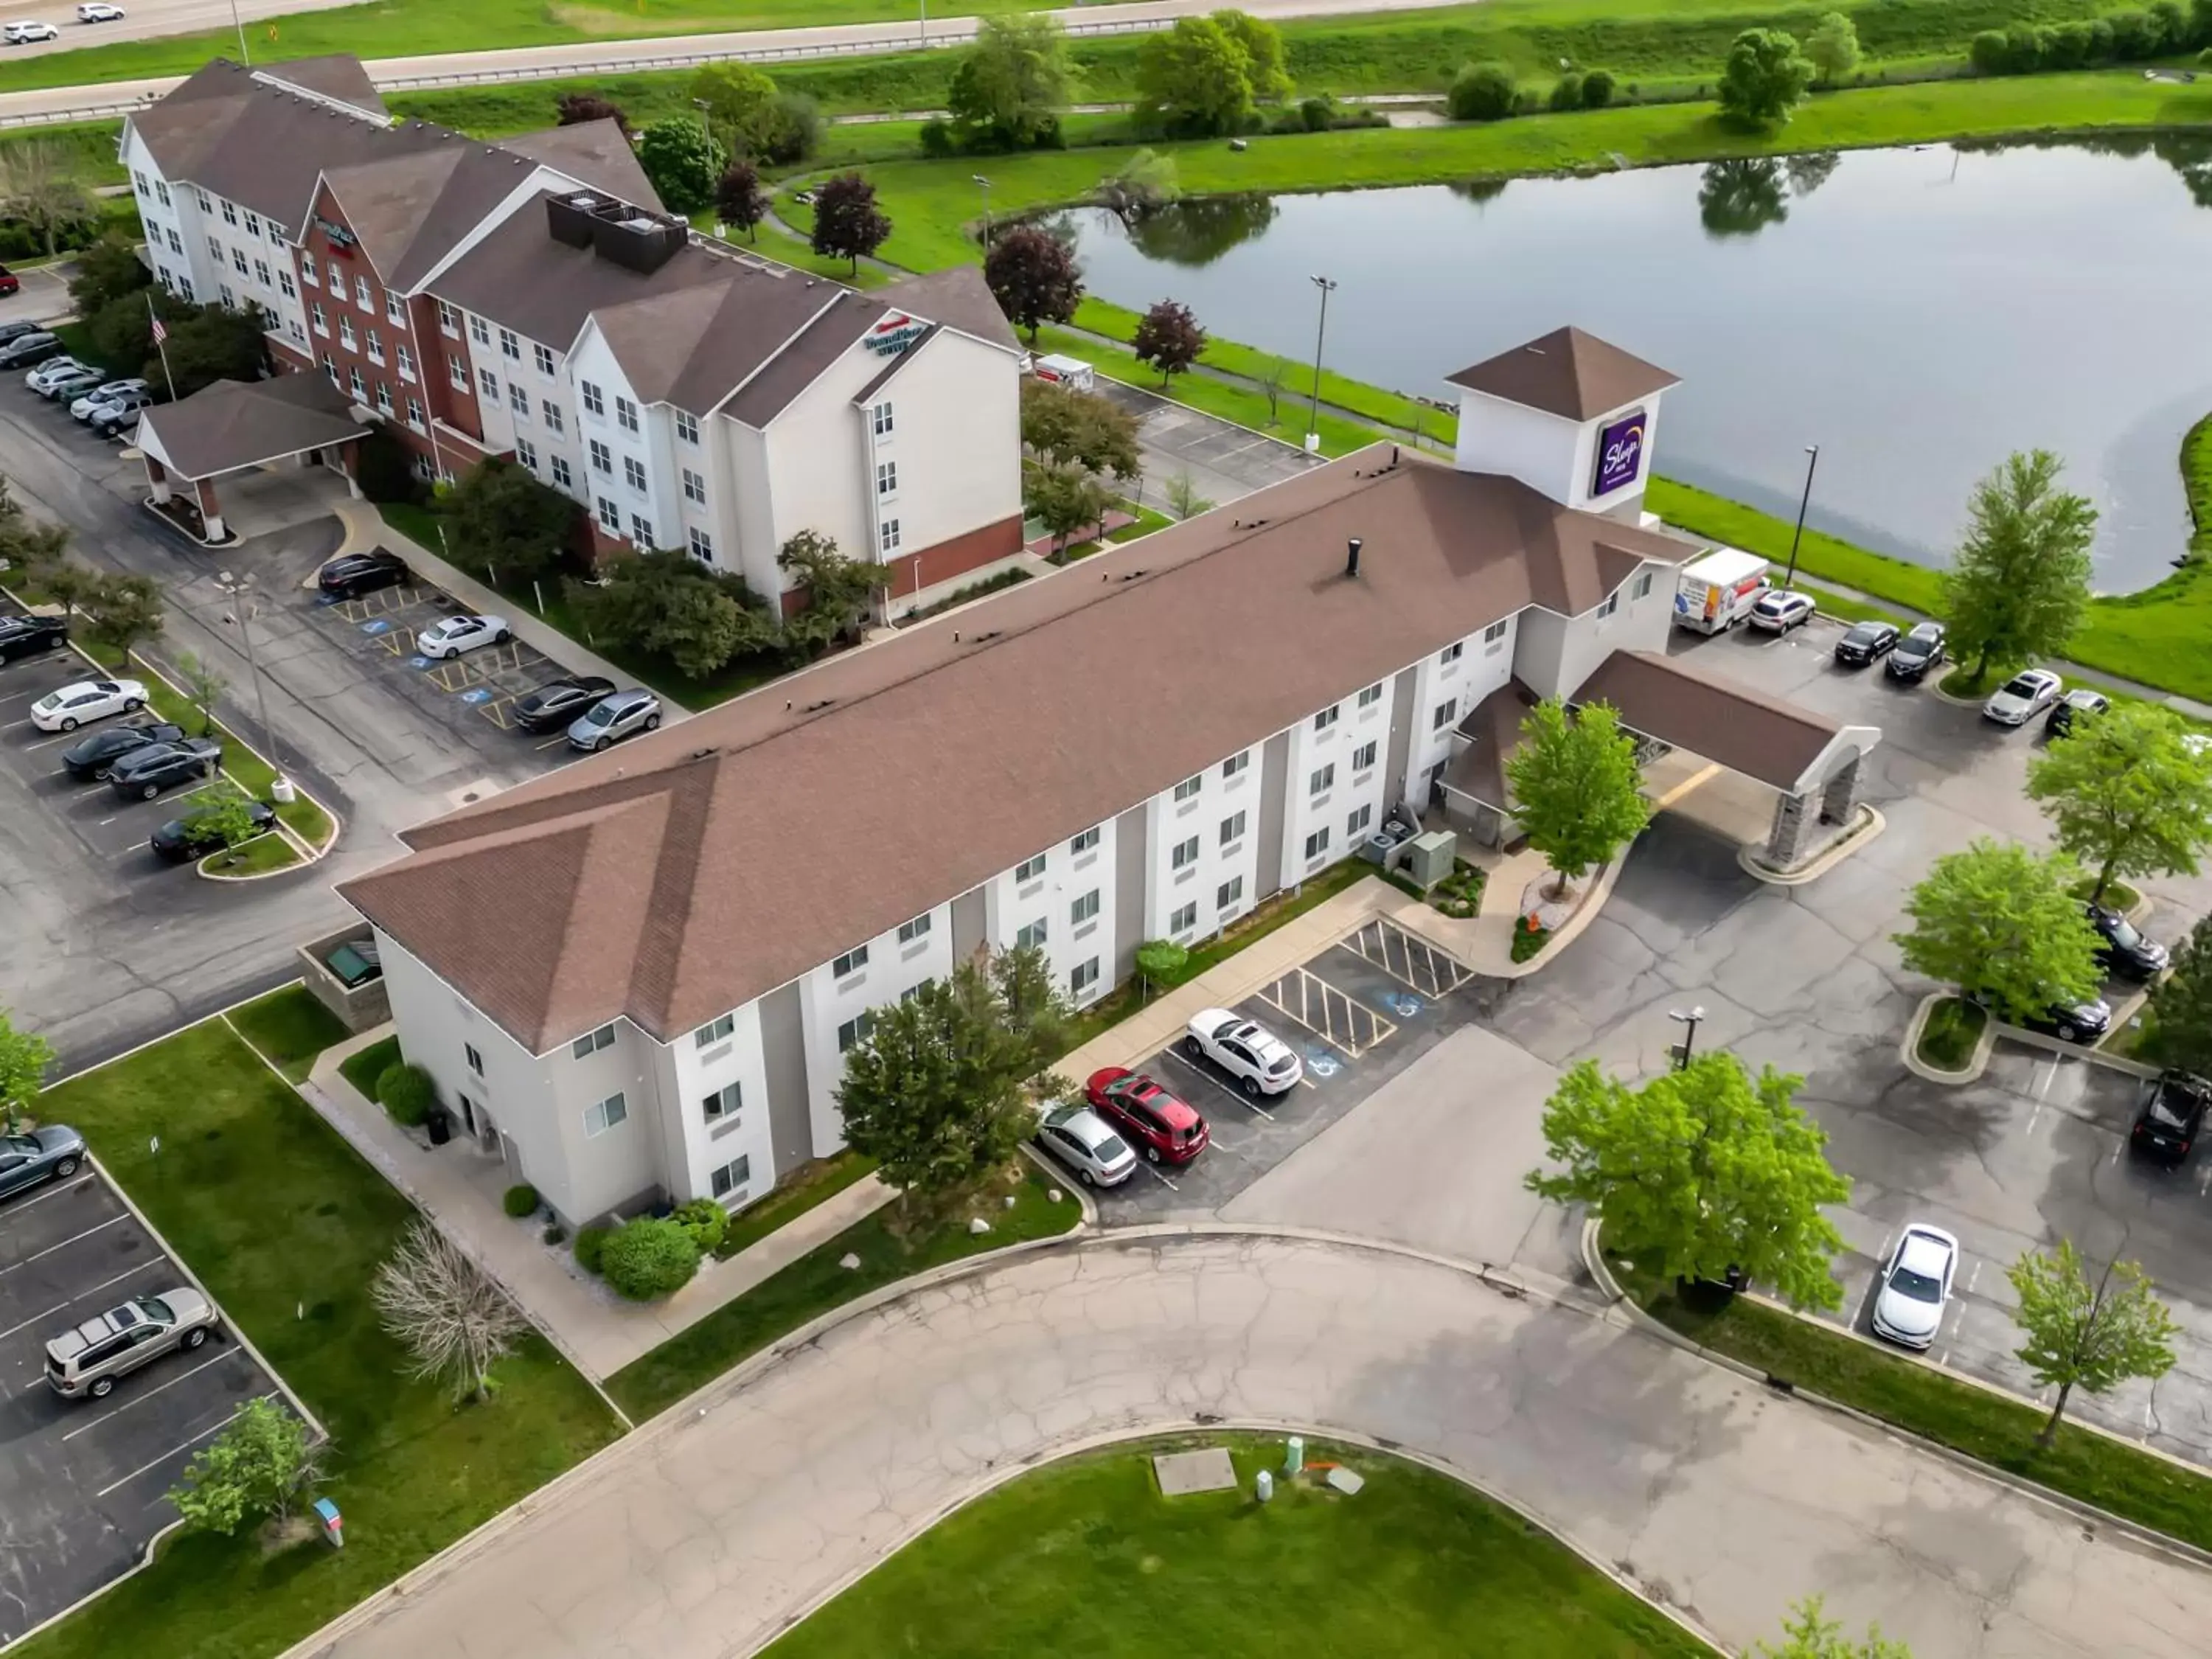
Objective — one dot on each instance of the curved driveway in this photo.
(703, 1535)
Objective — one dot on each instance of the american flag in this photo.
(161, 333)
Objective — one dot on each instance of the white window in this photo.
(139, 182)
(1363, 757)
(1357, 822)
(854, 1030)
(1030, 869)
(457, 371)
(625, 413)
(1317, 844)
(1031, 937)
(1085, 841)
(345, 330)
(713, 1031)
(723, 1104)
(886, 477)
(641, 530)
(732, 1177)
(910, 931)
(519, 401)
(526, 453)
(415, 414)
(1326, 718)
(383, 398)
(362, 295)
(238, 260)
(230, 213)
(1446, 713)
(561, 476)
(1636, 589)
(1497, 630)
(509, 345)
(308, 274)
(542, 355)
(261, 272)
(850, 963)
(634, 473)
(253, 224)
(1323, 779)
(1235, 764)
(610, 517)
(695, 487)
(449, 320)
(215, 248)
(337, 281)
(603, 1116)
(1189, 787)
(354, 379)
(475, 1058)
(489, 384)
(1185, 854)
(394, 310)
(1082, 977)
(879, 420)
(1184, 918)
(592, 404)
(592, 1041)
(1610, 603)
(161, 191)
(1232, 829)
(1084, 908)
(1452, 653)
(1371, 696)
(406, 363)
(703, 544)
(177, 246)
(479, 332)
(551, 411)
(329, 368)
(285, 285)
(603, 459)
(207, 203)
(375, 347)
(1229, 893)
(315, 316)
(687, 427)
(888, 537)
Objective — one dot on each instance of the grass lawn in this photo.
(286, 1225)
(361, 1069)
(261, 856)
(290, 1028)
(1953, 1028)
(1086, 1557)
(815, 1283)
(2197, 479)
(817, 1184)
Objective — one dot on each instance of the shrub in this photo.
(385, 470)
(2172, 24)
(2067, 46)
(521, 1201)
(407, 1092)
(647, 1258)
(590, 1243)
(2205, 57)
(1990, 52)
(2135, 35)
(937, 137)
(1317, 114)
(705, 1221)
(1567, 93)
(554, 1233)
(1597, 89)
(1482, 92)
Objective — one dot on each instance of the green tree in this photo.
(28, 550)
(1194, 77)
(848, 223)
(1168, 337)
(1146, 183)
(1030, 1002)
(1699, 1172)
(1064, 499)
(500, 521)
(1807, 1635)
(2002, 923)
(259, 1466)
(575, 108)
(223, 812)
(2020, 582)
(670, 604)
(2086, 1335)
(840, 591)
(2129, 793)
(206, 343)
(1013, 82)
(1482, 92)
(1578, 792)
(24, 1059)
(1833, 48)
(683, 161)
(739, 200)
(2181, 1006)
(1062, 426)
(123, 610)
(1160, 962)
(40, 187)
(1262, 44)
(1183, 499)
(109, 270)
(740, 106)
(1033, 276)
(1764, 78)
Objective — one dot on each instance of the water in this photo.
(1916, 313)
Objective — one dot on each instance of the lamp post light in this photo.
(1689, 1022)
(706, 127)
(1327, 285)
(245, 54)
(238, 590)
(1812, 460)
(984, 185)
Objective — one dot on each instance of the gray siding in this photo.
(1401, 739)
(1275, 766)
(783, 1058)
(1130, 849)
(971, 922)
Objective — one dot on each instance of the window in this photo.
(1084, 908)
(375, 347)
(592, 1041)
(489, 384)
(139, 182)
(592, 403)
(687, 427)
(470, 1052)
(850, 963)
(603, 459)
(1235, 764)
(383, 398)
(394, 310)
(230, 213)
(329, 368)
(543, 356)
(415, 414)
(634, 473)
(722, 1103)
(253, 224)
(1636, 589)
(362, 295)
(1232, 829)
(478, 331)
(1323, 779)
(1185, 854)
(406, 363)
(1609, 605)
(1371, 696)
(603, 1116)
(610, 517)
(1183, 918)
(1317, 844)
(261, 272)
(176, 245)
(879, 420)
(449, 320)
(526, 453)
(457, 371)
(561, 476)
(161, 193)
(337, 281)
(207, 203)
(641, 530)
(731, 1177)
(285, 285)
(625, 413)
(1032, 937)
(911, 931)
(354, 379)
(887, 478)
(1030, 869)
(1082, 977)
(315, 316)
(702, 545)
(1452, 653)
(1189, 787)
(1230, 892)
(1496, 631)
(1446, 712)
(184, 287)
(215, 247)
(1357, 822)
(1085, 841)
(345, 333)
(887, 536)
(1363, 757)
(238, 260)
(713, 1031)
(509, 345)
(853, 1031)
(519, 401)
(554, 422)
(1326, 718)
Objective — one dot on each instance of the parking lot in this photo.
(85, 1480)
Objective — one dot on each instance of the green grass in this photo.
(247, 766)
(815, 1184)
(362, 1069)
(287, 1225)
(1085, 1557)
(815, 1283)
(289, 1028)
(263, 855)
(1953, 1027)
(2118, 895)
(2142, 1487)
(2197, 479)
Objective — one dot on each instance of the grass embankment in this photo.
(2197, 479)
(1085, 1556)
(288, 1028)
(2095, 1468)
(1948, 1036)
(286, 1226)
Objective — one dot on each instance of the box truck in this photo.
(1717, 589)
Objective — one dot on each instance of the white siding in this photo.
(1171, 823)
(1049, 898)
(691, 1073)
(826, 1002)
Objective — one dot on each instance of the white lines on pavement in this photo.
(47, 1313)
(1163, 1180)
(54, 1191)
(216, 1427)
(156, 1261)
(1207, 1078)
(1972, 1277)
(140, 1399)
(65, 1243)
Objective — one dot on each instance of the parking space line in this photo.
(54, 1191)
(1328, 1011)
(157, 1261)
(140, 1399)
(213, 1428)
(46, 1314)
(1205, 1076)
(1163, 1180)
(1411, 961)
(66, 1243)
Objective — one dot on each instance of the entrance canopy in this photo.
(235, 425)
(1780, 743)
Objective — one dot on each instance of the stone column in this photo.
(1785, 844)
(1839, 796)
(158, 476)
(211, 510)
(350, 464)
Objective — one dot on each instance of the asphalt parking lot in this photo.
(85, 1480)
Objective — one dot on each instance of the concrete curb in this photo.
(1083, 1200)
(1909, 1049)
(1870, 824)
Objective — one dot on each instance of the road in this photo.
(143, 19)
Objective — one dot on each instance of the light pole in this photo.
(1812, 460)
(1689, 1022)
(1327, 285)
(984, 185)
(245, 55)
(706, 127)
(237, 589)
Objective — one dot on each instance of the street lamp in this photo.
(245, 55)
(237, 589)
(1689, 1022)
(1326, 286)
(984, 185)
(706, 127)
(1812, 460)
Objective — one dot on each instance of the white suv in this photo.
(23, 34)
(1261, 1062)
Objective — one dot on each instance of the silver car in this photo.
(614, 717)
(2023, 696)
(1086, 1143)
(50, 1153)
(83, 1362)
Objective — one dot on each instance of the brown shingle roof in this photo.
(1709, 715)
(235, 423)
(672, 357)
(1567, 372)
(825, 339)
(593, 152)
(336, 75)
(974, 741)
(958, 298)
(1493, 729)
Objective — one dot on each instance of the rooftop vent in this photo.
(1352, 556)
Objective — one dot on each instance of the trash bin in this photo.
(441, 1126)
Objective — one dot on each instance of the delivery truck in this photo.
(1717, 590)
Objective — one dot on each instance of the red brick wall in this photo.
(909, 572)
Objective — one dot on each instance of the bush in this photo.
(1597, 89)
(521, 1201)
(1990, 52)
(647, 1258)
(2205, 57)
(385, 471)
(407, 1093)
(1317, 114)
(1567, 93)
(2172, 24)
(2135, 34)
(590, 1243)
(706, 1222)
(937, 140)
(1482, 92)
(554, 1233)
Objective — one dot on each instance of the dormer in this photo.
(1569, 416)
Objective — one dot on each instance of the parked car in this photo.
(2077, 705)
(1261, 1062)
(1165, 1129)
(2024, 696)
(145, 773)
(98, 13)
(2172, 1113)
(85, 1361)
(50, 1153)
(460, 632)
(1920, 650)
(62, 388)
(1865, 642)
(1916, 1283)
(192, 835)
(2125, 951)
(26, 636)
(35, 346)
(118, 414)
(1780, 608)
(11, 332)
(613, 718)
(82, 408)
(2072, 1022)
(558, 703)
(11, 284)
(23, 34)
(81, 701)
(1086, 1143)
(352, 574)
(50, 367)
(90, 755)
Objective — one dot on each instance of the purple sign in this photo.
(1620, 454)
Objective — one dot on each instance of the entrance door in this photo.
(468, 1115)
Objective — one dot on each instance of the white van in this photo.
(1716, 591)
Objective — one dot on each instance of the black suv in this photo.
(1865, 642)
(1917, 652)
(90, 757)
(356, 573)
(552, 706)
(25, 637)
(2172, 1113)
(2122, 949)
(145, 773)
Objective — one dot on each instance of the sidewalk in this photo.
(598, 1331)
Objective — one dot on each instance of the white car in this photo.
(1087, 1144)
(99, 13)
(2025, 696)
(53, 369)
(82, 409)
(462, 633)
(1261, 1062)
(1780, 610)
(1916, 1283)
(21, 34)
(87, 700)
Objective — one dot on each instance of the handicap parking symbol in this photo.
(1320, 1062)
(326, 600)
(380, 626)
(1402, 1003)
(419, 662)
(477, 694)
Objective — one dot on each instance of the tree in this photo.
(2129, 793)
(1262, 45)
(2020, 581)
(28, 549)
(1482, 92)
(670, 604)
(39, 187)
(1194, 77)
(23, 1061)
(1063, 425)
(2002, 923)
(2084, 1335)
(1064, 499)
(848, 224)
(739, 200)
(648, 1258)
(123, 610)
(1742, 195)
(683, 161)
(446, 1310)
(1272, 377)
(261, 1465)
(1160, 962)
(2181, 1006)
(740, 106)
(222, 812)
(206, 343)
(839, 590)
(1184, 499)
(203, 683)
(1034, 276)
(1032, 1005)
(1146, 183)
(1169, 339)
(1577, 793)
(1833, 48)
(108, 270)
(1764, 78)
(500, 521)
(573, 109)
(1807, 1635)
(1013, 82)
(1700, 1173)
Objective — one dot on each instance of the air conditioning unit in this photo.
(1428, 859)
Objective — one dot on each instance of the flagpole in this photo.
(161, 345)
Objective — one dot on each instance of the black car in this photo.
(2079, 704)
(89, 758)
(26, 350)
(192, 837)
(2125, 951)
(554, 705)
(145, 773)
(2172, 1113)
(2073, 1022)
(1917, 652)
(11, 332)
(25, 637)
(1865, 642)
(356, 573)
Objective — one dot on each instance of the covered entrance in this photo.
(254, 437)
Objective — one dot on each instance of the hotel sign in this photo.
(341, 240)
(1620, 454)
(896, 333)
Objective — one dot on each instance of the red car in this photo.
(1165, 1129)
(8, 282)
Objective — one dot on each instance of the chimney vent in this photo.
(1351, 557)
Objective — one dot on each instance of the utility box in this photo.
(1428, 859)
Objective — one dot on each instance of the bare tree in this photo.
(39, 185)
(453, 1319)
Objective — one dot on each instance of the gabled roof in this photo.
(1569, 373)
(238, 423)
(339, 75)
(958, 298)
(820, 344)
(693, 348)
(594, 152)
(1707, 713)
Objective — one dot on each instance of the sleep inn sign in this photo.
(1620, 454)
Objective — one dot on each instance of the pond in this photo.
(1916, 313)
